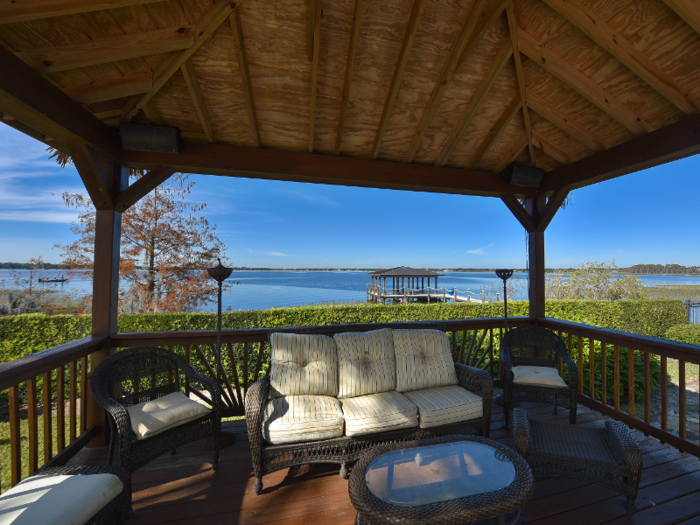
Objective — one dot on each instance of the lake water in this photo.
(261, 290)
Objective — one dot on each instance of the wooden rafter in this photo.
(478, 21)
(152, 113)
(311, 29)
(350, 65)
(101, 92)
(475, 103)
(689, 11)
(38, 104)
(106, 50)
(547, 163)
(91, 170)
(240, 161)
(239, 43)
(580, 83)
(599, 31)
(667, 144)
(406, 45)
(519, 211)
(12, 11)
(544, 108)
(518, 146)
(213, 18)
(142, 187)
(522, 88)
(314, 72)
(198, 99)
(495, 131)
(548, 147)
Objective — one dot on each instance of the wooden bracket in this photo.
(532, 219)
(142, 187)
(519, 211)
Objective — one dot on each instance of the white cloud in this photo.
(480, 251)
(65, 217)
(316, 199)
(277, 254)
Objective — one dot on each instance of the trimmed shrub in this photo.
(685, 333)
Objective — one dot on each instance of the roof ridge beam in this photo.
(12, 11)
(620, 48)
(209, 23)
(495, 131)
(477, 99)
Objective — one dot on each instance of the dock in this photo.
(376, 293)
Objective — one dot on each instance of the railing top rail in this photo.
(644, 343)
(30, 366)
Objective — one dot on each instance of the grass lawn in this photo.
(668, 291)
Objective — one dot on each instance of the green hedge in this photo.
(685, 333)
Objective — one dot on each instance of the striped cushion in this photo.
(291, 419)
(365, 362)
(445, 405)
(378, 413)
(302, 365)
(423, 360)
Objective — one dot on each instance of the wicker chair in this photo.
(143, 374)
(536, 346)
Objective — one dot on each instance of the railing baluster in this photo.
(33, 423)
(453, 339)
(234, 369)
(500, 361)
(170, 372)
(245, 368)
(83, 395)
(616, 377)
(231, 398)
(206, 364)
(491, 350)
(73, 399)
(647, 388)
(461, 345)
(664, 393)
(591, 368)
(604, 373)
(60, 409)
(580, 363)
(187, 381)
(474, 353)
(630, 380)
(48, 430)
(15, 443)
(258, 363)
(681, 398)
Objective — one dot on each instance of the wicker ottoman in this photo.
(605, 456)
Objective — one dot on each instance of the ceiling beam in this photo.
(12, 11)
(37, 103)
(152, 113)
(519, 211)
(314, 70)
(142, 187)
(493, 134)
(580, 83)
(239, 161)
(518, 146)
(541, 106)
(311, 28)
(475, 103)
(478, 21)
(239, 44)
(620, 48)
(102, 92)
(688, 11)
(209, 23)
(548, 147)
(349, 66)
(106, 50)
(97, 183)
(198, 99)
(522, 87)
(399, 70)
(551, 208)
(667, 144)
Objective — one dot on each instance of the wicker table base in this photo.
(513, 518)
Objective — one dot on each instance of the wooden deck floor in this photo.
(183, 489)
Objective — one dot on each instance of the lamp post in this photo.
(505, 275)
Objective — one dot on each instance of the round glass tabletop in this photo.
(435, 473)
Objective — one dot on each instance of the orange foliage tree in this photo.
(166, 246)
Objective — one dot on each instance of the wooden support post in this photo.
(534, 207)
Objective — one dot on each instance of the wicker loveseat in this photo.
(330, 400)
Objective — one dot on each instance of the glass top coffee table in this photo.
(455, 479)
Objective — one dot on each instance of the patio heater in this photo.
(505, 275)
(220, 273)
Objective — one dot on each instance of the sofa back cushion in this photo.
(365, 363)
(423, 360)
(302, 365)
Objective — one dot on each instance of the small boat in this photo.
(54, 280)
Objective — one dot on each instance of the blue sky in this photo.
(646, 217)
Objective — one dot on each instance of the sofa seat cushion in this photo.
(423, 360)
(365, 362)
(378, 413)
(153, 417)
(538, 376)
(292, 419)
(58, 500)
(302, 365)
(445, 405)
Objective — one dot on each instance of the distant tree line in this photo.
(32, 266)
(661, 269)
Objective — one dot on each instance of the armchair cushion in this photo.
(538, 375)
(365, 362)
(290, 419)
(302, 365)
(378, 413)
(423, 360)
(445, 405)
(159, 415)
(58, 500)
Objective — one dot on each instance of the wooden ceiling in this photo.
(585, 89)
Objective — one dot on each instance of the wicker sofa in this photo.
(330, 400)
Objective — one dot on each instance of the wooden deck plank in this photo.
(183, 489)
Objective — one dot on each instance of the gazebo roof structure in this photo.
(405, 271)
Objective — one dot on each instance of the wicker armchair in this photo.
(143, 374)
(536, 346)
